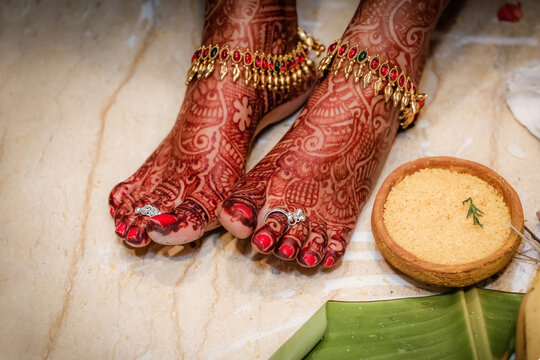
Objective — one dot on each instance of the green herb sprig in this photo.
(474, 211)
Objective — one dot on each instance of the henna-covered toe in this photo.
(184, 224)
(137, 237)
(121, 229)
(335, 249)
(292, 241)
(265, 239)
(314, 249)
(239, 216)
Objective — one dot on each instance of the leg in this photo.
(201, 159)
(329, 160)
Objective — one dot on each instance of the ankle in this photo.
(269, 27)
(398, 31)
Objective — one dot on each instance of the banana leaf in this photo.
(469, 323)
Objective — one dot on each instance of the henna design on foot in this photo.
(329, 160)
(197, 165)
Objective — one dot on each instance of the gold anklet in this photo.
(399, 87)
(266, 71)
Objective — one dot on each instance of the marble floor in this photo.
(89, 88)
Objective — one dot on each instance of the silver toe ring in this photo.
(148, 210)
(292, 218)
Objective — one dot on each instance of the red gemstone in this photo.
(205, 52)
(195, 55)
(236, 55)
(401, 80)
(409, 84)
(257, 61)
(393, 74)
(332, 47)
(414, 89)
(374, 63)
(265, 63)
(342, 49)
(224, 54)
(421, 103)
(247, 58)
(352, 53)
(289, 64)
(283, 65)
(271, 64)
(384, 70)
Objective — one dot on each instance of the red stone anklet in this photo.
(399, 87)
(266, 71)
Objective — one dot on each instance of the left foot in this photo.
(199, 162)
(329, 160)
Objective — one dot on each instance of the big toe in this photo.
(239, 216)
(239, 213)
(184, 224)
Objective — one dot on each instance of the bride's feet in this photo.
(200, 161)
(328, 162)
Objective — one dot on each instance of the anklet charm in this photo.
(262, 70)
(399, 88)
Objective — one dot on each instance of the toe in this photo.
(184, 224)
(335, 249)
(136, 235)
(265, 239)
(239, 212)
(239, 216)
(292, 241)
(314, 249)
(121, 228)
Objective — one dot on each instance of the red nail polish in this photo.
(133, 234)
(244, 209)
(264, 240)
(121, 228)
(163, 219)
(111, 211)
(286, 250)
(309, 259)
(329, 262)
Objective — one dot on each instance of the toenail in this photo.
(309, 259)
(121, 228)
(329, 262)
(264, 240)
(133, 234)
(111, 211)
(163, 219)
(244, 209)
(286, 250)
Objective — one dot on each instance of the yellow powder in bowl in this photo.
(425, 215)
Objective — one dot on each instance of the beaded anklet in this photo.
(266, 71)
(399, 87)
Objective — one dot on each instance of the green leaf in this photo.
(466, 324)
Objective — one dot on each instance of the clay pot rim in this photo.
(431, 269)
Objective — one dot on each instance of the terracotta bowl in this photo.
(444, 274)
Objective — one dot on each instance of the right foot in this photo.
(328, 161)
(197, 165)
